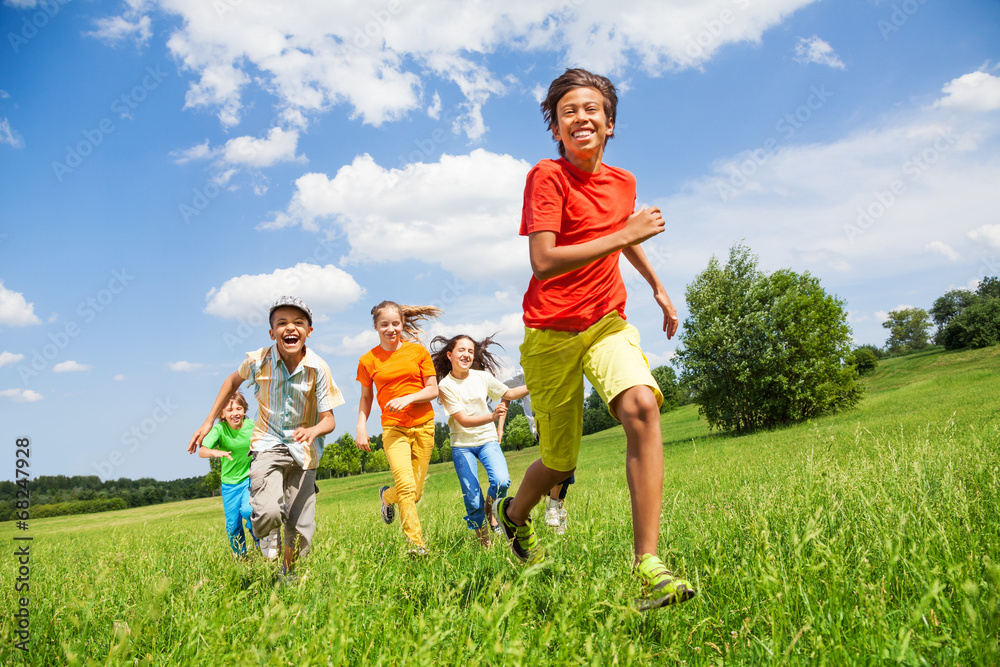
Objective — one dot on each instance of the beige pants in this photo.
(409, 453)
(282, 493)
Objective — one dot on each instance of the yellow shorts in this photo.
(555, 363)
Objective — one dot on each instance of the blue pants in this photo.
(491, 456)
(236, 504)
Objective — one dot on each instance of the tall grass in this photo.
(868, 537)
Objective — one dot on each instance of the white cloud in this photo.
(815, 50)
(10, 136)
(353, 346)
(70, 367)
(325, 289)
(184, 366)
(199, 152)
(9, 358)
(860, 206)
(120, 377)
(117, 29)
(15, 311)
(279, 146)
(461, 212)
(21, 395)
(975, 91)
(375, 59)
(988, 234)
(942, 248)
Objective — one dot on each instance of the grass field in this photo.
(869, 537)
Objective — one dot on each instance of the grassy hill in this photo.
(864, 537)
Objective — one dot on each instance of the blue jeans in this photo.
(491, 456)
(236, 505)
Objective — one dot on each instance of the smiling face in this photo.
(582, 126)
(461, 357)
(289, 329)
(233, 414)
(389, 325)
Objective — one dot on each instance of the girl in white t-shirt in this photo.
(466, 372)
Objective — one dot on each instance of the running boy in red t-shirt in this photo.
(578, 217)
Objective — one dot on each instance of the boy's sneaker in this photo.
(270, 545)
(418, 552)
(522, 539)
(661, 586)
(388, 511)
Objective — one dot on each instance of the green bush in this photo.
(78, 507)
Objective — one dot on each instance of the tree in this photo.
(595, 414)
(666, 379)
(213, 480)
(989, 288)
(908, 330)
(976, 326)
(762, 350)
(948, 306)
(865, 360)
(517, 434)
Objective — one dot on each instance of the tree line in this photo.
(58, 495)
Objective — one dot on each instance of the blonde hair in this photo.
(411, 315)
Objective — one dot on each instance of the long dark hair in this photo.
(482, 358)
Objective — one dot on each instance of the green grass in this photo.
(868, 537)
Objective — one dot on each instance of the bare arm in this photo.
(515, 393)
(229, 385)
(469, 422)
(638, 259)
(549, 260)
(209, 453)
(364, 409)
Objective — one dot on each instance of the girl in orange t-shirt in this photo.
(404, 379)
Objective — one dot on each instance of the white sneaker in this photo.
(552, 515)
(561, 527)
(271, 545)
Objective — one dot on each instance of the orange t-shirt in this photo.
(395, 374)
(578, 206)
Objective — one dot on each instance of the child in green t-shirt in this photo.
(229, 440)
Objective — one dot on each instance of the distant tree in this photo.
(977, 325)
(909, 330)
(446, 450)
(441, 433)
(213, 480)
(666, 379)
(595, 414)
(517, 434)
(948, 306)
(865, 360)
(761, 350)
(989, 288)
(378, 462)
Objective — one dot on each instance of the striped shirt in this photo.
(286, 401)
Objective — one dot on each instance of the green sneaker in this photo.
(522, 539)
(661, 586)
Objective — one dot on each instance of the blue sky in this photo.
(169, 166)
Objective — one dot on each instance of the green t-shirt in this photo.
(224, 438)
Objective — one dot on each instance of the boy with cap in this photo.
(295, 399)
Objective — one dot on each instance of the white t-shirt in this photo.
(469, 396)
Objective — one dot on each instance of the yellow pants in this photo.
(409, 452)
(554, 364)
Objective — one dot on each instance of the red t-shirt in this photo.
(395, 374)
(577, 206)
